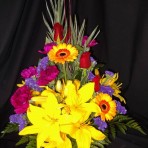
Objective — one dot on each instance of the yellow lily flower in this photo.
(83, 133)
(111, 81)
(117, 91)
(78, 101)
(52, 144)
(46, 121)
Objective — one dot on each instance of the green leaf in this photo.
(100, 144)
(78, 74)
(81, 33)
(23, 140)
(30, 141)
(76, 27)
(11, 127)
(134, 125)
(92, 36)
(80, 49)
(73, 33)
(113, 131)
(50, 33)
(122, 128)
(124, 121)
(51, 18)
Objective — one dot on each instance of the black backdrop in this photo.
(123, 46)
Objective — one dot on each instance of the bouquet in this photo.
(64, 101)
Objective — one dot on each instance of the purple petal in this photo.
(30, 82)
(19, 119)
(42, 64)
(90, 76)
(109, 73)
(121, 109)
(100, 124)
(106, 89)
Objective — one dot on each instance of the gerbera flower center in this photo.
(105, 107)
(62, 53)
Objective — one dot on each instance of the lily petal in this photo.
(86, 92)
(83, 138)
(96, 134)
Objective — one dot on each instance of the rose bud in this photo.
(85, 61)
(58, 32)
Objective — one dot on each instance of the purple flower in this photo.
(90, 76)
(100, 124)
(47, 75)
(42, 64)
(30, 82)
(47, 48)
(18, 119)
(121, 109)
(27, 73)
(90, 44)
(109, 73)
(106, 89)
(93, 61)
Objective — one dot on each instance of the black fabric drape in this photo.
(22, 34)
(122, 46)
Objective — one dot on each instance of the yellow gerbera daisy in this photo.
(107, 106)
(62, 53)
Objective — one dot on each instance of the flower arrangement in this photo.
(64, 101)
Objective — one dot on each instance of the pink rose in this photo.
(20, 99)
(90, 44)
(47, 75)
(27, 73)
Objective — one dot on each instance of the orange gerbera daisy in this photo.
(107, 106)
(62, 53)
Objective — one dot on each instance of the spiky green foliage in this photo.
(57, 14)
(122, 123)
(100, 144)
(10, 128)
(29, 139)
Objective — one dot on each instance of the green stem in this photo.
(84, 76)
(64, 70)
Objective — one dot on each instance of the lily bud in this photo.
(58, 86)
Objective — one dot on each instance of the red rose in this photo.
(85, 61)
(20, 99)
(96, 80)
(58, 31)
